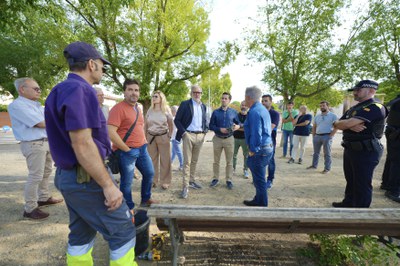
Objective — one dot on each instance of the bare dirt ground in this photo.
(39, 243)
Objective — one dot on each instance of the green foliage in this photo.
(346, 250)
(378, 53)
(214, 85)
(235, 105)
(334, 97)
(295, 40)
(3, 108)
(161, 43)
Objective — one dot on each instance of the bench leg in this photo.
(176, 237)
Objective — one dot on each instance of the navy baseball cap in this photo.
(365, 84)
(81, 52)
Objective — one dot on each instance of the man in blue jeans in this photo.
(79, 144)
(267, 102)
(323, 133)
(288, 117)
(133, 151)
(257, 128)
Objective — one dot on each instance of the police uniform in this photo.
(391, 172)
(362, 152)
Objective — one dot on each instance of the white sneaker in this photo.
(246, 174)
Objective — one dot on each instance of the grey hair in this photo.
(194, 87)
(254, 93)
(18, 83)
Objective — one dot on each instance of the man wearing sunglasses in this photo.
(79, 144)
(27, 118)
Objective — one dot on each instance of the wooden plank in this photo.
(252, 214)
(199, 225)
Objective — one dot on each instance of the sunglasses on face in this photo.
(37, 89)
(103, 68)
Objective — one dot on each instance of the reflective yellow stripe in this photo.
(127, 260)
(80, 260)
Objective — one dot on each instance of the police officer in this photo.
(391, 172)
(362, 127)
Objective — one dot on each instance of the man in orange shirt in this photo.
(132, 151)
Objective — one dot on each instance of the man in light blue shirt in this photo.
(323, 133)
(257, 131)
(27, 119)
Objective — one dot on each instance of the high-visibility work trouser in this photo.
(88, 215)
(119, 257)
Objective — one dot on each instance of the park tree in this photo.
(29, 44)
(214, 84)
(295, 41)
(378, 46)
(161, 43)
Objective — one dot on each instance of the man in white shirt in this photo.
(27, 119)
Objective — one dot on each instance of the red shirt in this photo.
(123, 115)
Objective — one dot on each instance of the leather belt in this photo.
(42, 139)
(224, 137)
(195, 132)
(323, 134)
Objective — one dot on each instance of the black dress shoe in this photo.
(393, 196)
(384, 187)
(341, 205)
(250, 203)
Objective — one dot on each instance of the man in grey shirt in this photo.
(323, 133)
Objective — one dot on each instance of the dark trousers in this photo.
(258, 166)
(358, 169)
(391, 172)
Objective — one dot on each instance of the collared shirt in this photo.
(73, 105)
(221, 118)
(196, 124)
(324, 122)
(257, 127)
(24, 115)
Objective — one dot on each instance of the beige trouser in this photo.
(227, 145)
(160, 154)
(191, 145)
(39, 162)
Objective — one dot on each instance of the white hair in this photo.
(18, 83)
(254, 93)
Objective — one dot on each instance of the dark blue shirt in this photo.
(257, 127)
(73, 105)
(239, 134)
(275, 118)
(221, 118)
(303, 130)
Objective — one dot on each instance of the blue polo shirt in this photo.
(221, 118)
(257, 127)
(73, 105)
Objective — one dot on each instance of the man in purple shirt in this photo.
(79, 144)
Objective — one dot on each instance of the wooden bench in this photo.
(179, 218)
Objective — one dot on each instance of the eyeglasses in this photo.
(103, 68)
(37, 89)
(197, 92)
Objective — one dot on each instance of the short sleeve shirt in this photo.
(24, 115)
(303, 130)
(288, 125)
(122, 116)
(73, 105)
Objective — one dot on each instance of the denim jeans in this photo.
(140, 158)
(271, 165)
(258, 166)
(88, 214)
(176, 151)
(287, 136)
(326, 142)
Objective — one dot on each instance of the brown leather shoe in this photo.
(50, 201)
(148, 203)
(36, 214)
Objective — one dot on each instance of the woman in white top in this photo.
(159, 127)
